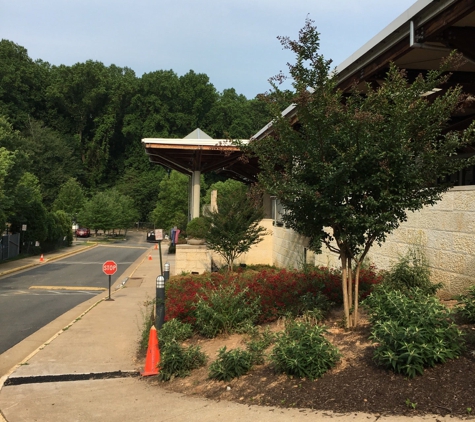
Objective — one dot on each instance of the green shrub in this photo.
(315, 303)
(225, 310)
(412, 330)
(174, 330)
(410, 272)
(147, 323)
(466, 305)
(178, 361)
(257, 345)
(230, 364)
(302, 351)
(197, 228)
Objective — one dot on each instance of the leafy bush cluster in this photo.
(411, 328)
(225, 310)
(257, 345)
(412, 331)
(280, 291)
(410, 272)
(230, 364)
(174, 330)
(147, 323)
(302, 351)
(237, 362)
(198, 228)
(177, 360)
(466, 305)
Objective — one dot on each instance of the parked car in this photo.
(83, 232)
(151, 236)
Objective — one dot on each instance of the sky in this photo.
(233, 42)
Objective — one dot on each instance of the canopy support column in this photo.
(195, 194)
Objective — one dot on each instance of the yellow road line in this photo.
(67, 288)
(122, 246)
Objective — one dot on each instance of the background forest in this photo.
(70, 138)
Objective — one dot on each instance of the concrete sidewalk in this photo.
(57, 382)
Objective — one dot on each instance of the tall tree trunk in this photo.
(344, 283)
(350, 292)
(357, 285)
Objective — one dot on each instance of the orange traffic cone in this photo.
(153, 354)
(156, 246)
(150, 257)
(41, 258)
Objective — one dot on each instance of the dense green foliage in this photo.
(77, 131)
(174, 330)
(410, 272)
(197, 228)
(225, 310)
(412, 332)
(466, 305)
(303, 351)
(353, 166)
(172, 206)
(230, 364)
(178, 361)
(234, 226)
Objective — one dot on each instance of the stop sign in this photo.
(109, 267)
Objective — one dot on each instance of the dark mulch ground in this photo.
(356, 384)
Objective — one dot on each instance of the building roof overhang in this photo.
(202, 154)
(417, 41)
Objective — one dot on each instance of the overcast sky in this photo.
(232, 41)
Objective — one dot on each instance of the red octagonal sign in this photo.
(109, 267)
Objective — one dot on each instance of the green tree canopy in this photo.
(172, 206)
(353, 166)
(227, 188)
(28, 209)
(234, 226)
(22, 84)
(51, 159)
(70, 198)
(108, 210)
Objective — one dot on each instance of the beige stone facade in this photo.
(445, 232)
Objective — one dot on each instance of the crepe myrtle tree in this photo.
(234, 226)
(351, 165)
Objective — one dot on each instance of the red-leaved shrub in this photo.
(280, 291)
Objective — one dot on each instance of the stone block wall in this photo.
(289, 248)
(445, 232)
(191, 258)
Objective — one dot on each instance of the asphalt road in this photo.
(33, 298)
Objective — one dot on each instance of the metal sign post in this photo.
(109, 268)
(159, 238)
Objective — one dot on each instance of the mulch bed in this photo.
(357, 384)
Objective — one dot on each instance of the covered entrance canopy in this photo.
(417, 41)
(198, 153)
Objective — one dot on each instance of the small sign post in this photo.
(159, 238)
(109, 268)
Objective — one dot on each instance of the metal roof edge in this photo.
(188, 141)
(398, 29)
(421, 12)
